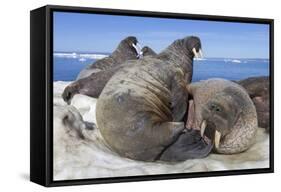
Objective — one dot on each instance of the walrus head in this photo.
(225, 115)
(182, 52)
(132, 43)
(220, 115)
(193, 45)
(147, 51)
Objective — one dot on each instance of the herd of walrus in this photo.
(148, 109)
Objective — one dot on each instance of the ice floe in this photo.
(90, 157)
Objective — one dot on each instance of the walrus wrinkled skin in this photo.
(141, 109)
(258, 90)
(225, 114)
(126, 50)
(93, 85)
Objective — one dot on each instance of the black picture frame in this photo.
(41, 108)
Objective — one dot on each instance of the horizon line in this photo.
(211, 57)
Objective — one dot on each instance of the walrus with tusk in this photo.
(127, 49)
(225, 113)
(93, 84)
(141, 109)
(222, 114)
(258, 90)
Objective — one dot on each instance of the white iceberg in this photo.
(76, 158)
(80, 56)
(200, 59)
(66, 55)
(93, 56)
(82, 59)
(236, 61)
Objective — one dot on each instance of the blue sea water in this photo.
(67, 66)
(231, 69)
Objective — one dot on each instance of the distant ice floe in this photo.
(93, 56)
(82, 59)
(200, 59)
(66, 55)
(246, 60)
(236, 61)
(232, 61)
(80, 56)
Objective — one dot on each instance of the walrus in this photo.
(224, 110)
(141, 109)
(258, 90)
(93, 84)
(147, 51)
(224, 115)
(127, 49)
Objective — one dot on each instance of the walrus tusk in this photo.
(200, 53)
(138, 50)
(217, 139)
(195, 53)
(203, 127)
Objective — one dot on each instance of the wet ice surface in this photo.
(76, 158)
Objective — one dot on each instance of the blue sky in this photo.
(102, 33)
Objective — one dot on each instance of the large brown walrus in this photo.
(140, 111)
(93, 84)
(224, 115)
(127, 49)
(258, 90)
(224, 111)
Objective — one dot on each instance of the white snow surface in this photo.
(77, 158)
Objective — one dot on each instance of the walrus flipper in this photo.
(189, 145)
(91, 85)
(73, 120)
(170, 131)
(70, 91)
(162, 135)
